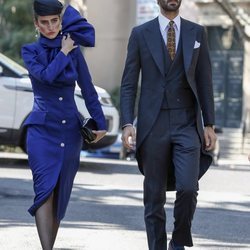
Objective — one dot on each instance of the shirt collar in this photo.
(164, 21)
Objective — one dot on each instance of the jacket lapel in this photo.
(188, 40)
(153, 38)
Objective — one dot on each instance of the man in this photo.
(175, 117)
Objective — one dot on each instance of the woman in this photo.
(54, 141)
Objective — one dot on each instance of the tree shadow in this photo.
(223, 224)
(96, 207)
(109, 168)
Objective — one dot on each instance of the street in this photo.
(106, 210)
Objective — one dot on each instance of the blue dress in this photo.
(54, 141)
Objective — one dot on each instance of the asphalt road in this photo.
(106, 211)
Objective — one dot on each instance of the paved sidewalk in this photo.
(106, 212)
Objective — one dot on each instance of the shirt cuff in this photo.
(126, 125)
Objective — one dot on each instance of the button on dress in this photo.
(54, 141)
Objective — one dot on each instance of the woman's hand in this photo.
(67, 44)
(99, 135)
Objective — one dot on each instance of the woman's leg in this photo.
(55, 230)
(47, 224)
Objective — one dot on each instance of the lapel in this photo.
(153, 38)
(188, 40)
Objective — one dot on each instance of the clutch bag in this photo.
(88, 125)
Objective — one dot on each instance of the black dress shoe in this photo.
(172, 246)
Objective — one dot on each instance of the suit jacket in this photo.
(145, 55)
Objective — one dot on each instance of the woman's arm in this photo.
(43, 73)
(89, 93)
(36, 62)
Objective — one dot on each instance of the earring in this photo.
(61, 30)
(37, 33)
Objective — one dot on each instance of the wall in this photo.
(113, 21)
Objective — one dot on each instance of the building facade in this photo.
(113, 21)
(230, 52)
(227, 27)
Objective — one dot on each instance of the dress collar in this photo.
(80, 30)
(51, 43)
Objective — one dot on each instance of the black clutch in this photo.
(89, 124)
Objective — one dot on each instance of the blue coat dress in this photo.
(53, 136)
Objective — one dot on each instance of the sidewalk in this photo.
(106, 211)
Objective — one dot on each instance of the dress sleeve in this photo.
(89, 93)
(35, 64)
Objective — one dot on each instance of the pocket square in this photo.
(197, 45)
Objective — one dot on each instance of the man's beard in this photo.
(166, 6)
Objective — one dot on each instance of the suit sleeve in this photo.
(204, 82)
(42, 73)
(129, 82)
(89, 93)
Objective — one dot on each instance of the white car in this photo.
(16, 101)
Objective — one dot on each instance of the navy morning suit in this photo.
(170, 140)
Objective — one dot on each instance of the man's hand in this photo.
(210, 138)
(128, 137)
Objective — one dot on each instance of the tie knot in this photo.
(171, 24)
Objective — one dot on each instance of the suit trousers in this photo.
(174, 141)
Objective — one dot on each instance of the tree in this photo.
(237, 14)
(16, 27)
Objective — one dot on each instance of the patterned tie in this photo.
(171, 40)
